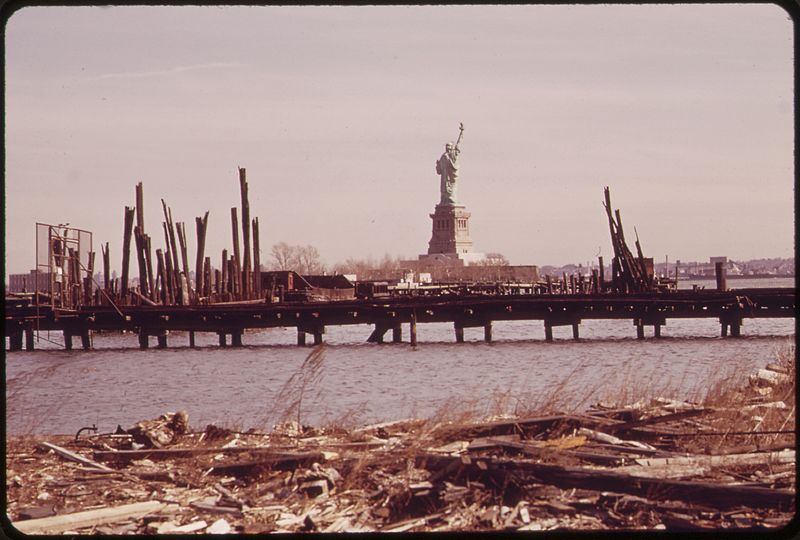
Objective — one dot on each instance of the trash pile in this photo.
(728, 462)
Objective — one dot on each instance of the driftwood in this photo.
(90, 518)
(707, 493)
(63, 452)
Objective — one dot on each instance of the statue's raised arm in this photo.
(460, 134)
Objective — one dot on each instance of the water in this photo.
(55, 391)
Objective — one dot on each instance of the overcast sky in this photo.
(339, 114)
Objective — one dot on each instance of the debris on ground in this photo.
(725, 463)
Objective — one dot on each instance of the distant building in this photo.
(29, 282)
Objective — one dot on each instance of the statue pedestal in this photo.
(450, 231)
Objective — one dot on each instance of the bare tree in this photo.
(301, 259)
(309, 261)
(284, 256)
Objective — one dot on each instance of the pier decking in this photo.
(730, 308)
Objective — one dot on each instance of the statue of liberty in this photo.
(447, 169)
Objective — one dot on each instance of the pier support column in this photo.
(657, 330)
(236, 338)
(412, 329)
(29, 339)
(548, 332)
(377, 335)
(397, 333)
(86, 340)
(487, 332)
(301, 338)
(575, 331)
(67, 340)
(223, 339)
(736, 329)
(639, 328)
(723, 329)
(459, 333)
(144, 342)
(15, 341)
(318, 335)
(191, 339)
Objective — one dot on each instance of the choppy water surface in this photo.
(54, 391)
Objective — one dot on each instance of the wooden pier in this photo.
(651, 309)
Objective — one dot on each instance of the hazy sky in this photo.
(339, 114)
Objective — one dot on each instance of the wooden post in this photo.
(184, 257)
(29, 338)
(163, 295)
(736, 328)
(191, 339)
(318, 335)
(657, 330)
(639, 328)
(172, 291)
(126, 251)
(549, 284)
(723, 328)
(601, 275)
(459, 332)
(15, 341)
(246, 270)
(487, 332)
(397, 333)
(720, 273)
(140, 207)
(224, 284)
(67, 340)
(548, 331)
(236, 338)
(170, 226)
(236, 255)
(575, 331)
(223, 339)
(149, 267)
(86, 339)
(139, 237)
(595, 282)
(301, 337)
(106, 268)
(207, 277)
(256, 261)
(144, 341)
(199, 275)
(412, 331)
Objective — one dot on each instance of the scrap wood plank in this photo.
(88, 518)
(519, 424)
(599, 479)
(681, 415)
(167, 453)
(270, 460)
(63, 452)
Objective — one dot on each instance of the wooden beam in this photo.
(126, 250)
(88, 518)
(72, 456)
